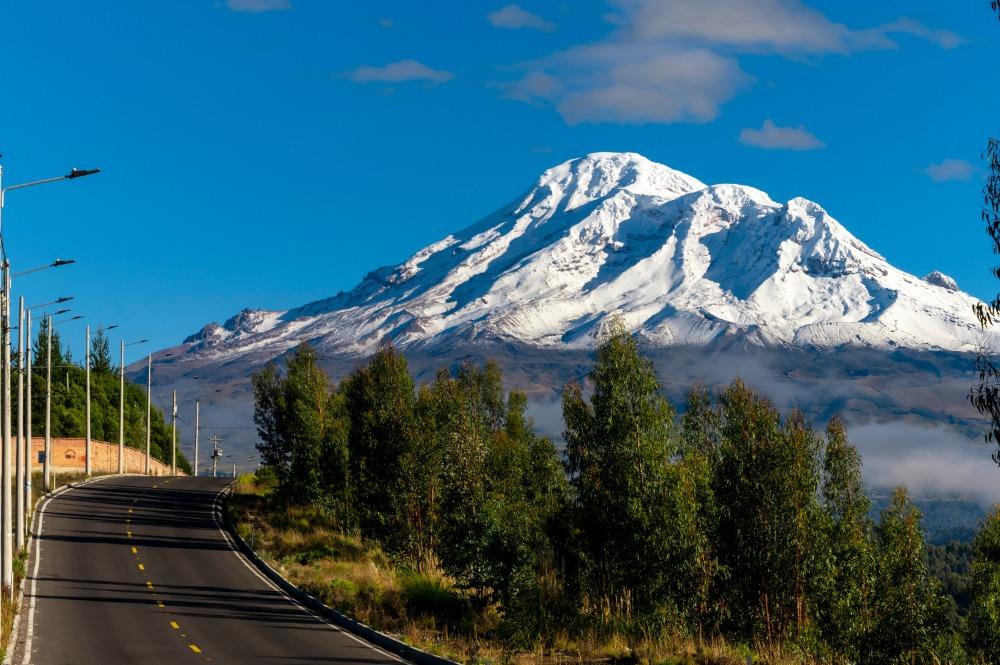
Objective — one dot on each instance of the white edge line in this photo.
(36, 536)
(216, 511)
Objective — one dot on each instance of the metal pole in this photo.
(149, 407)
(121, 415)
(19, 456)
(173, 434)
(5, 449)
(46, 465)
(29, 448)
(89, 468)
(197, 427)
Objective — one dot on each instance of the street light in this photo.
(121, 406)
(6, 543)
(55, 264)
(24, 392)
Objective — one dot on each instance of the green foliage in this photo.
(984, 611)
(302, 432)
(68, 410)
(732, 521)
(100, 352)
(380, 400)
(908, 610)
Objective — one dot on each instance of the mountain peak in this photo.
(613, 233)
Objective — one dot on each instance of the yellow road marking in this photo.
(135, 551)
(130, 510)
(159, 603)
(155, 486)
(194, 647)
(142, 567)
(173, 624)
(149, 585)
(129, 533)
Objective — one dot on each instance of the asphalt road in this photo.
(136, 570)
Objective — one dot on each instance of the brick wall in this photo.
(69, 455)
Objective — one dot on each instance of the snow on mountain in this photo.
(616, 234)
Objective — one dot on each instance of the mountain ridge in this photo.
(616, 234)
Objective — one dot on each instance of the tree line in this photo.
(68, 410)
(729, 520)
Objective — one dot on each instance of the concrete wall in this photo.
(69, 456)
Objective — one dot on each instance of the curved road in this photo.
(137, 570)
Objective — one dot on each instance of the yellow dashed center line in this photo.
(194, 647)
(173, 624)
(149, 585)
(128, 533)
(142, 567)
(130, 510)
(135, 551)
(159, 603)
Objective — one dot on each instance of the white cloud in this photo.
(929, 460)
(772, 137)
(513, 17)
(945, 39)
(398, 72)
(631, 84)
(256, 6)
(677, 61)
(949, 170)
(780, 26)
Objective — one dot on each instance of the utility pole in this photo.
(216, 453)
(46, 483)
(197, 431)
(5, 449)
(87, 415)
(173, 436)
(18, 497)
(29, 448)
(149, 407)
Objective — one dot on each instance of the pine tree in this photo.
(100, 352)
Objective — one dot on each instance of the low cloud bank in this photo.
(929, 461)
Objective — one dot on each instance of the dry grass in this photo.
(425, 608)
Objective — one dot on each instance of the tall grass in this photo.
(423, 605)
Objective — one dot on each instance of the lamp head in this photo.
(79, 173)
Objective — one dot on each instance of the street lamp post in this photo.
(121, 407)
(7, 558)
(87, 455)
(29, 446)
(19, 455)
(197, 432)
(173, 436)
(46, 462)
(149, 407)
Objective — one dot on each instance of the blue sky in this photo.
(265, 153)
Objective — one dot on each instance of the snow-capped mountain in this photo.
(682, 262)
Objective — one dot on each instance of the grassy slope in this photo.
(423, 606)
